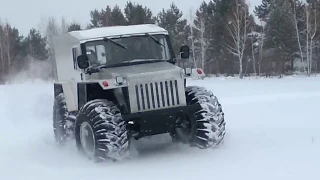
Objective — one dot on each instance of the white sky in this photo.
(26, 14)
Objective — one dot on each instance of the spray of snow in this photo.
(35, 72)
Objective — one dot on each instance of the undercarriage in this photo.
(158, 121)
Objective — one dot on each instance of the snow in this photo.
(273, 132)
(117, 31)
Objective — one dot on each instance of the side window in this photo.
(74, 53)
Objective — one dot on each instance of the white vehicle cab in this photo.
(121, 83)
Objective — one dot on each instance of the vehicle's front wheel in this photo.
(206, 127)
(101, 132)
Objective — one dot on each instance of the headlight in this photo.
(119, 80)
(188, 71)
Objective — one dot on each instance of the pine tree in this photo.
(280, 31)
(105, 15)
(117, 16)
(171, 19)
(74, 27)
(137, 14)
(36, 45)
(11, 49)
(95, 19)
(262, 11)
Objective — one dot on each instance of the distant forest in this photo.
(224, 37)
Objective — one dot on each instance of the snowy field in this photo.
(273, 133)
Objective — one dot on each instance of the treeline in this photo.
(224, 37)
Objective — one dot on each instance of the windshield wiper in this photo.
(118, 44)
(140, 60)
(154, 39)
(134, 61)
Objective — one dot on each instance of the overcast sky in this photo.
(25, 14)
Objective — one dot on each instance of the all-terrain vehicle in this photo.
(120, 83)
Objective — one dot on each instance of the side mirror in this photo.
(184, 52)
(83, 61)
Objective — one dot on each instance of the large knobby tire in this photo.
(101, 132)
(61, 125)
(206, 127)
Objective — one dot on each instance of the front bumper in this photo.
(159, 121)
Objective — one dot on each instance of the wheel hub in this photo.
(87, 139)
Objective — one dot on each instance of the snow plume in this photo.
(34, 71)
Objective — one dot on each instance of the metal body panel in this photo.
(114, 31)
(159, 67)
(151, 86)
(69, 90)
(111, 83)
(65, 58)
(66, 50)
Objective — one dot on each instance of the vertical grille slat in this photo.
(167, 92)
(172, 94)
(152, 96)
(148, 96)
(162, 95)
(138, 98)
(142, 97)
(177, 91)
(157, 95)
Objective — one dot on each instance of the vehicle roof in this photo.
(110, 31)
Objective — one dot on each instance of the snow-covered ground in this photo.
(273, 133)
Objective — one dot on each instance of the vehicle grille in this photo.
(157, 95)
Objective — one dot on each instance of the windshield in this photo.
(127, 49)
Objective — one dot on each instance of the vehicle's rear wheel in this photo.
(101, 132)
(62, 126)
(206, 127)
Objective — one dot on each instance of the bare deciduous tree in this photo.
(297, 31)
(64, 26)
(2, 50)
(204, 42)
(50, 28)
(261, 43)
(311, 30)
(252, 52)
(190, 21)
(238, 27)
